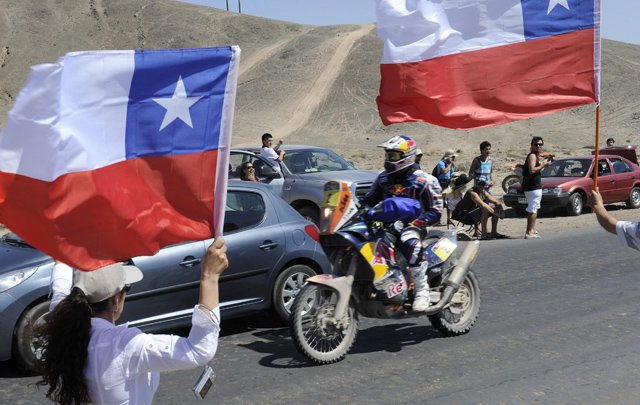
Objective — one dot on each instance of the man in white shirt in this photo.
(273, 155)
(628, 232)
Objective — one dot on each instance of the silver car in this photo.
(272, 250)
(302, 174)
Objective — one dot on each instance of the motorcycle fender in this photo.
(322, 279)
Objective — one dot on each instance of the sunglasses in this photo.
(539, 144)
(127, 288)
(248, 167)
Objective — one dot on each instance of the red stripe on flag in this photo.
(492, 86)
(131, 208)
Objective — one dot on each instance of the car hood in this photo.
(567, 183)
(341, 175)
(19, 257)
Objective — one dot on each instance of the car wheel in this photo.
(28, 349)
(310, 214)
(575, 204)
(287, 286)
(634, 198)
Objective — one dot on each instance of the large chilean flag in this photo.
(108, 155)
(476, 63)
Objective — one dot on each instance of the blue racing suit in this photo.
(414, 184)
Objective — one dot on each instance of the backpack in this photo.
(435, 171)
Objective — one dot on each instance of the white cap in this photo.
(105, 282)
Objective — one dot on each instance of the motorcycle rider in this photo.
(401, 179)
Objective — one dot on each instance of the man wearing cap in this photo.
(86, 358)
(477, 206)
(446, 167)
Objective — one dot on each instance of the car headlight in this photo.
(14, 278)
(554, 190)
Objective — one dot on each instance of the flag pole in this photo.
(595, 167)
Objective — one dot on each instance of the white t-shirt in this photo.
(271, 155)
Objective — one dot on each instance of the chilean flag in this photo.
(108, 155)
(476, 63)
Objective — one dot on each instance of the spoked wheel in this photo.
(460, 316)
(316, 333)
(509, 181)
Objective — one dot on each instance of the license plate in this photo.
(522, 200)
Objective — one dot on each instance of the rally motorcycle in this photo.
(367, 279)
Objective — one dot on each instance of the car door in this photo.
(255, 244)
(606, 181)
(623, 178)
(238, 157)
(171, 283)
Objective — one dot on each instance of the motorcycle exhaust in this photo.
(457, 276)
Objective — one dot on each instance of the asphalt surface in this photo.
(559, 324)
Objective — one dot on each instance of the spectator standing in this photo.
(628, 232)
(611, 143)
(416, 165)
(446, 167)
(532, 185)
(87, 359)
(482, 167)
(248, 173)
(273, 155)
(477, 206)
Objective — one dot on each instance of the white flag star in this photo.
(177, 106)
(553, 3)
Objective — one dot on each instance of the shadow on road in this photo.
(279, 351)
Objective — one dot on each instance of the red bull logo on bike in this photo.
(396, 289)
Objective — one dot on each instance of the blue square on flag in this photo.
(544, 18)
(176, 101)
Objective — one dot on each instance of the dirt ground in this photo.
(314, 85)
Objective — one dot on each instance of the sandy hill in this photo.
(306, 84)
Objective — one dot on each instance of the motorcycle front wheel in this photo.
(314, 330)
(460, 316)
(509, 181)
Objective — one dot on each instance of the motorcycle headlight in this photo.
(552, 190)
(512, 191)
(14, 278)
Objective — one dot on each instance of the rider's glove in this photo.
(398, 226)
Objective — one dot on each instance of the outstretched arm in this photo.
(606, 220)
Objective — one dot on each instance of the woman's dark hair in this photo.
(65, 338)
(536, 139)
(243, 166)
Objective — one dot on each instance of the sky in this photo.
(619, 17)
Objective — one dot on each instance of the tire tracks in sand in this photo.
(323, 83)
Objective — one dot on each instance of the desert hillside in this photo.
(305, 84)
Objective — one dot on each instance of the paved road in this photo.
(559, 324)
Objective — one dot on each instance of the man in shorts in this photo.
(532, 185)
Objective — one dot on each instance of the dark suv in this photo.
(302, 175)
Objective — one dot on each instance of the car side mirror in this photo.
(268, 172)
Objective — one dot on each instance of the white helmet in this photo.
(400, 152)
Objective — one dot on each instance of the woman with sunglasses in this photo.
(248, 173)
(87, 359)
(532, 185)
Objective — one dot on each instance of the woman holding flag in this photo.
(86, 358)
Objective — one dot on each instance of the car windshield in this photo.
(14, 240)
(567, 168)
(315, 160)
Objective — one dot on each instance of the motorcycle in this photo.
(516, 177)
(368, 280)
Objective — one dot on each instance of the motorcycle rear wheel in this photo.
(458, 318)
(509, 181)
(312, 331)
